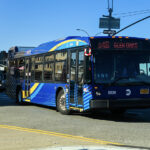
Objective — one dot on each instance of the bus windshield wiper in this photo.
(143, 82)
(133, 82)
(118, 79)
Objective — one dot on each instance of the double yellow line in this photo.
(60, 135)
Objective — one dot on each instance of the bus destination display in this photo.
(117, 45)
(120, 44)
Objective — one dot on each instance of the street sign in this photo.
(112, 23)
(109, 31)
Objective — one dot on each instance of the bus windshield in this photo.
(122, 67)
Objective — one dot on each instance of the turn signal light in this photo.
(95, 87)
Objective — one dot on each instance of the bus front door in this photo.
(27, 79)
(76, 78)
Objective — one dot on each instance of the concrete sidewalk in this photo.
(89, 148)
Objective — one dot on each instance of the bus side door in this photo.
(27, 78)
(76, 78)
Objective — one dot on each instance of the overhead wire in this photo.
(128, 14)
(135, 14)
(132, 12)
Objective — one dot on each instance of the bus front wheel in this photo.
(61, 103)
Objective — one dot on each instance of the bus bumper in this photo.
(120, 103)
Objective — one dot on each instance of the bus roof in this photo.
(69, 42)
(59, 44)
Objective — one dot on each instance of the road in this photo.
(31, 126)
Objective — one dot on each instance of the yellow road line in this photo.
(60, 135)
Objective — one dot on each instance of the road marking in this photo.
(60, 135)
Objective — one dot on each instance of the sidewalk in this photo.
(89, 148)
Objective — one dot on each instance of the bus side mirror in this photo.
(87, 51)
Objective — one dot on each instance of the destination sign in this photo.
(120, 44)
(117, 45)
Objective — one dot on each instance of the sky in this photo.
(33, 22)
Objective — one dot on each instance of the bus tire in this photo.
(61, 103)
(19, 97)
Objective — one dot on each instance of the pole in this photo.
(110, 17)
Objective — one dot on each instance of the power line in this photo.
(132, 25)
(133, 13)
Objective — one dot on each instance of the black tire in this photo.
(19, 97)
(118, 111)
(61, 103)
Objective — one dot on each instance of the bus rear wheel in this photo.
(61, 103)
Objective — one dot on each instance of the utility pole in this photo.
(110, 10)
(109, 21)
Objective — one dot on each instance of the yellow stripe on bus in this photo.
(27, 100)
(31, 90)
(64, 42)
(23, 94)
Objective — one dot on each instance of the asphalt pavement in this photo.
(31, 126)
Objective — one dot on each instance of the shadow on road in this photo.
(7, 101)
(138, 115)
(131, 116)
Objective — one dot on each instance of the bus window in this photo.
(60, 71)
(32, 68)
(39, 59)
(49, 58)
(143, 68)
(61, 56)
(48, 71)
(38, 72)
(21, 68)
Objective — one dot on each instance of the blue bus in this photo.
(84, 73)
